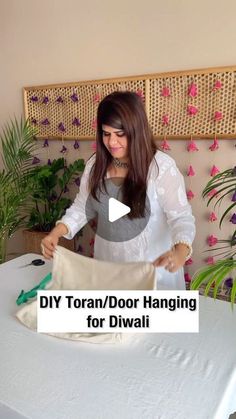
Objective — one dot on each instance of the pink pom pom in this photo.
(213, 192)
(189, 261)
(190, 195)
(214, 170)
(140, 93)
(212, 240)
(217, 85)
(96, 98)
(165, 145)
(94, 146)
(212, 217)
(187, 277)
(165, 120)
(192, 90)
(94, 124)
(218, 116)
(165, 92)
(214, 146)
(192, 110)
(192, 146)
(210, 260)
(190, 171)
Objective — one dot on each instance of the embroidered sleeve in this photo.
(172, 196)
(75, 217)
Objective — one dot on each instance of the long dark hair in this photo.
(125, 111)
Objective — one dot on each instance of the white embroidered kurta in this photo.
(171, 221)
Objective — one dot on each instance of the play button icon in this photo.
(110, 218)
(116, 210)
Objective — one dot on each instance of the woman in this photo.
(126, 149)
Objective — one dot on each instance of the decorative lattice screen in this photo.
(69, 110)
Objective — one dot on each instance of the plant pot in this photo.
(32, 240)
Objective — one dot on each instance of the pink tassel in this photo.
(212, 240)
(190, 195)
(214, 146)
(217, 85)
(140, 93)
(165, 146)
(214, 170)
(192, 90)
(212, 217)
(192, 146)
(190, 171)
(165, 92)
(94, 146)
(96, 98)
(94, 124)
(192, 110)
(218, 116)
(213, 192)
(189, 261)
(187, 277)
(210, 260)
(165, 120)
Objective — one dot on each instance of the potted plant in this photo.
(50, 201)
(220, 186)
(16, 178)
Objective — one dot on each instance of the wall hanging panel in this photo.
(181, 104)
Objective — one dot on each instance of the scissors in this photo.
(35, 262)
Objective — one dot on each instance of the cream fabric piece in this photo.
(171, 221)
(75, 272)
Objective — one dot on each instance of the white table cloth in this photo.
(161, 376)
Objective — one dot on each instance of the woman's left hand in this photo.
(172, 260)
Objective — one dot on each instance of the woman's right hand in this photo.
(48, 245)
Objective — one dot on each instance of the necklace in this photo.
(120, 164)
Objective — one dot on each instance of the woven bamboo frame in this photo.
(181, 125)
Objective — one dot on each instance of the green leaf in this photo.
(226, 212)
(233, 293)
(201, 275)
(16, 177)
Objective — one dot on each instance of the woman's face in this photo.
(115, 141)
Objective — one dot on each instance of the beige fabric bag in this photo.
(75, 272)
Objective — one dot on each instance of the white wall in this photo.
(52, 41)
